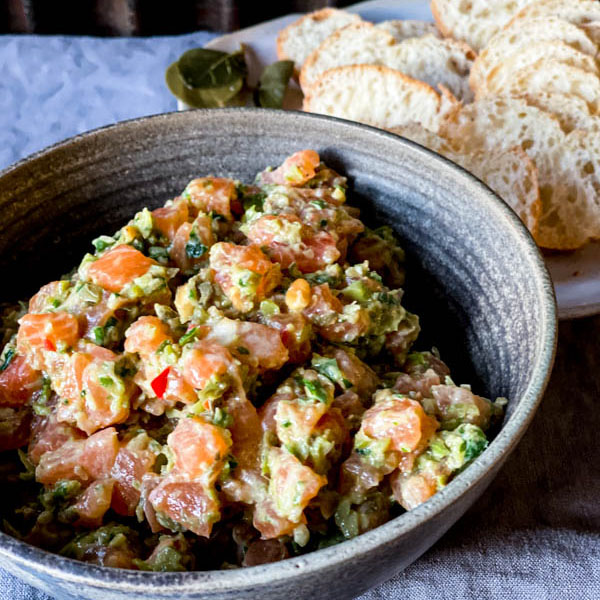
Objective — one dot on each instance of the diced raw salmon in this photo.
(83, 460)
(188, 503)
(227, 260)
(200, 448)
(39, 333)
(213, 194)
(168, 219)
(134, 460)
(145, 336)
(292, 485)
(401, 420)
(253, 344)
(296, 169)
(310, 251)
(93, 503)
(49, 434)
(90, 399)
(118, 267)
(203, 361)
(18, 382)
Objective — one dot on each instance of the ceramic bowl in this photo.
(475, 277)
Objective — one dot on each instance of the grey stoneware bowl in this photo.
(475, 277)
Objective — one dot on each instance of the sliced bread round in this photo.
(298, 40)
(428, 58)
(406, 29)
(375, 95)
(521, 35)
(361, 43)
(552, 76)
(501, 76)
(567, 176)
(584, 13)
(572, 112)
(434, 61)
(475, 21)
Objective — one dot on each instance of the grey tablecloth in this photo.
(536, 532)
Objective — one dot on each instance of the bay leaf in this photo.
(273, 84)
(209, 97)
(205, 68)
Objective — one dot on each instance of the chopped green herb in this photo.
(330, 368)
(188, 337)
(243, 350)
(254, 201)
(319, 203)
(195, 248)
(314, 389)
(106, 381)
(158, 253)
(222, 418)
(102, 243)
(41, 398)
(138, 244)
(98, 333)
(162, 346)
(8, 357)
(215, 216)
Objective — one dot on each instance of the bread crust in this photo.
(430, 107)
(313, 57)
(436, 11)
(319, 15)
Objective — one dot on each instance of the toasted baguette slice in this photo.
(299, 39)
(404, 30)
(502, 75)
(361, 43)
(584, 13)
(572, 112)
(514, 40)
(428, 58)
(474, 22)
(557, 78)
(377, 96)
(567, 179)
(434, 61)
(511, 174)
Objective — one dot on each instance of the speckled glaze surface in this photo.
(475, 277)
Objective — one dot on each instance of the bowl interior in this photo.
(474, 275)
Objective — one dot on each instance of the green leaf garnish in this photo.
(273, 84)
(205, 78)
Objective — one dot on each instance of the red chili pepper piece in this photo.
(159, 383)
(49, 345)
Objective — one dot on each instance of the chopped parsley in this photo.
(8, 357)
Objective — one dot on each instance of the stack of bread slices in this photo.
(509, 89)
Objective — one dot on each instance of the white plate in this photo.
(576, 275)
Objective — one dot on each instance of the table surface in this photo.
(535, 533)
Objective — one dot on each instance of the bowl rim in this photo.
(79, 573)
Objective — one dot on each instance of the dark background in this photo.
(144, 17)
